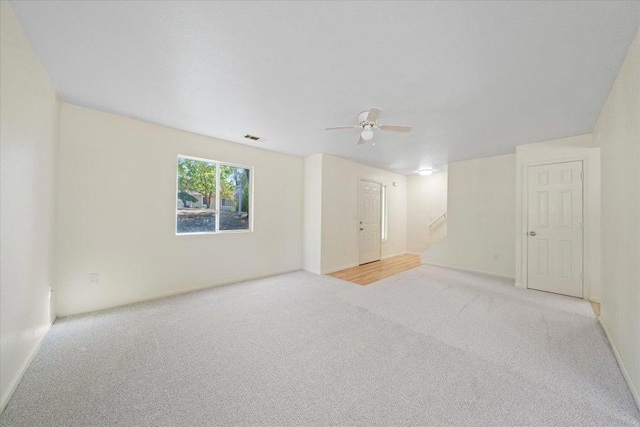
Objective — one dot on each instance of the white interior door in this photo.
(554, 255)
(369, 222)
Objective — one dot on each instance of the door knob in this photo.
(532, 233)
(361, 229)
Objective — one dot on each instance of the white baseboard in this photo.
(623, 369)
(392, 255)
(469, 270)
(6, 397)
(172, 293)
(351, 265)
(312, 271)
(344, 267)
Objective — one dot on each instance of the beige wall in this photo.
(617, 133)
(481, 217)
(340, 211)
(560, 150)
(117, 213)
(115, 195)
(28, 152)
(312, 211)
(426, 202)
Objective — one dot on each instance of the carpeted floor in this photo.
(430, 346)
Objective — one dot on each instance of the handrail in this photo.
(444, 215)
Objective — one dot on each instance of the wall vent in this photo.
(254, 138)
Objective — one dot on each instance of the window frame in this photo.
(217, 197)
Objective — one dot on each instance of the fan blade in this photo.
(343, 127)
(395, 128)
(373, 115)
(361, 141)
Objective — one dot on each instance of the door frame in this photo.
(357, 222)
(586, 230)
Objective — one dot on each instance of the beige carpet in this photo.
(430, 346)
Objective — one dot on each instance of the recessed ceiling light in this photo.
(425, 172)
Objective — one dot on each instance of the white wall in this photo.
(481, 217)
(117, 213)
(426, 201)
(28, 152)
(312, 211)
(340, 211)
(617, 132)
(558, 150)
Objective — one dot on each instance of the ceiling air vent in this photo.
(254, 138)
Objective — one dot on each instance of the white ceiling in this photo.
(474, 79)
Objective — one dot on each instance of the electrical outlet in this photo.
(93, 278)
(496, 257)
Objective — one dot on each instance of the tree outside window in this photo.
(197, 192)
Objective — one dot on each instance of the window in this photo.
(203, 206)
(383, 231)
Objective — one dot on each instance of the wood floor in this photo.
(368, 273)
(596, 308)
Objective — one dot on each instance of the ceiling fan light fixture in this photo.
(367, 134)
(425, 172)
(368, 122)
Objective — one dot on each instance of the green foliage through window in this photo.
(197, 210)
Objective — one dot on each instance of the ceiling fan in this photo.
(368, 123)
